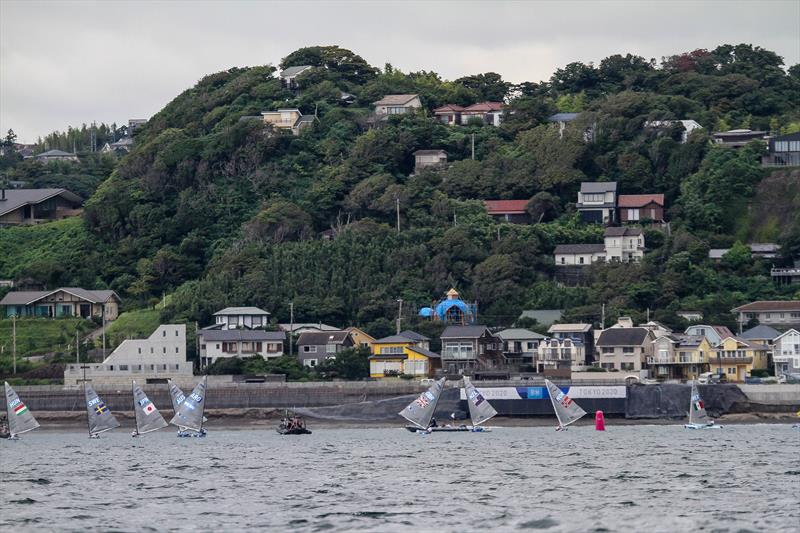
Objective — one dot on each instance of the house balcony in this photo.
(715, 360)
(781, 159)
(676, 360)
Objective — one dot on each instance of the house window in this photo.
(178, 350)
(312, 362)
(217, 346)
(391, 350)
(164, 349)
(202, 346)
(628, 350)
(123, 367)
(626, 366)
(164, 333)
(633, 214)
(607, 349)
(531, 346)
(310, 349)
(595, 198)
(563, 260)
(140, 350)
(608, 366)
(581, 260)
(330, 348)
(731, 370)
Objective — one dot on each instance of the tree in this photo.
(10, 139)
(489, 86)
(543, 207)
(341, 62)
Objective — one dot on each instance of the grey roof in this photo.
(764, 247)
(241, 311)
(307, 325)
(55, 153)
(717, 253)
(544, 317)
(430, 152)
(569, 328)
(293, 71)
(513, 334)
(396, 99)
(463, 332)
(321, 338)
(623, 337)
(579, 248)
(598, 186)
(393, 339)
(241, 335)
(563, 117)
(761, 332)
(623, 232)
(413, 335)
(16, 198)
(424, 352)
(28, 297)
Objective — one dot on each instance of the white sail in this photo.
(147, 416)
(420, 411)
(20, 419)
(480, 410)
(697, 409)
(566, 410)
(190, 412)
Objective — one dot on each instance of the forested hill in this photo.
(221, 210)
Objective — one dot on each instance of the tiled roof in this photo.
(484, 107)
(563, 117)
(320, 338)
(16, 198)
(503, 207)
(241, 311)
(623, 232)
(761, 332)
(423, 351)
(518, 334)
(393, 339)
(579, 248)
(622, 337)
(27, 297)
(413, 335)
(395, 99)
(461, 332)
(293, 71)
(639, 200)
(593, 187)
(448, 108)
(769, 305)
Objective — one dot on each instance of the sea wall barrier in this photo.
(375, 400)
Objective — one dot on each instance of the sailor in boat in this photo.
(433, 423)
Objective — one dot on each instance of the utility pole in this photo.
(104, 330)
(291, 328)
(14, 339)
(603, 316)
(399, 314)
(473, 146)
(77, 348)
(397, 208)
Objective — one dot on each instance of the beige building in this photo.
(32, 206)
(160, 357)
(63, 302)
(397, 104)
(288, 119)
(625, 349)
(429, 158)
(624, 244)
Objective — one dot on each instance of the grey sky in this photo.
(65, 63)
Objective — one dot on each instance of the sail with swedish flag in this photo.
(100, 418)
(20, 419)
(190, 411)
(147, 416)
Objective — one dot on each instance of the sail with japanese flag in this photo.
(480, 410)
(567, 411)
(20, 419)
(147, 416)
(420, 411)
(697, 409)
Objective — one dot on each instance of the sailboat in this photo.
(99, 416)
(480, 410)
(20, 419)
(189, 416)
(566, 410)
(147, 416)
(420, 411)
(698, 418)
(177, 396)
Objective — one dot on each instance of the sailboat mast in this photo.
(85, 403)
(555, 409)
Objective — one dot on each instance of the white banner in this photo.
(613, 391)
(496, 393)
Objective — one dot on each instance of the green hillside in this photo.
(221, 210)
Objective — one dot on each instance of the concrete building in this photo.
(770, 312)
(288, 119)
(62, 302)
(240, 318)
(786, 353)
(160, 357)
(225, 343)
(557, 356)
(737, 138)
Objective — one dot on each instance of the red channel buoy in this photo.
(599, 421)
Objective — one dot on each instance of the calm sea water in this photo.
(630, 478)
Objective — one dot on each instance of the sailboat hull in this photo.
(438, 429)
(702, 426)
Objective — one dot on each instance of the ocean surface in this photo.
(629, 478)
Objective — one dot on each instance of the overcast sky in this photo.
(65, 63)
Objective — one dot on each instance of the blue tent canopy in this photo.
(444, 306)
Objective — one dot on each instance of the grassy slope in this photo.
(136, 324)
(60, 242)
(39, 335)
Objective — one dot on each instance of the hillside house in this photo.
(624, 244)
(688, 126)
(783, 151)
(429, 159)
(737, 138)
(597, 201)
(397, 104)
(134, 124)
(240, 318)
(786, 353)
(489, 113)
(298, 328)
(466, 349)
(55, 155)
(562, 119)
(289, 76)
(556, 357)
(124, 145)
(625, 349)
(772, 313)
(690, 316)
(32, 206)
(449, 114)
(314, 347)
(579, 254)
(225, 343)
(758, 250)
(361, 339)
(637, 207)
(398, 355)
(160, 357)
(512, 211)
(520, 345)
(288, 119)
(677, 356)
(63, 302)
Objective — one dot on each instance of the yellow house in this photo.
(361, 339)
(397, 355)
(737, 358)
(679, 356)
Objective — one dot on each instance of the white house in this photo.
(397, 104)
(786, 353)
(688, 126)
(160, 357)
(579, 254)
(240, 318)
(223, 343)
(560, 353)
(624, 244)
(289, 75)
